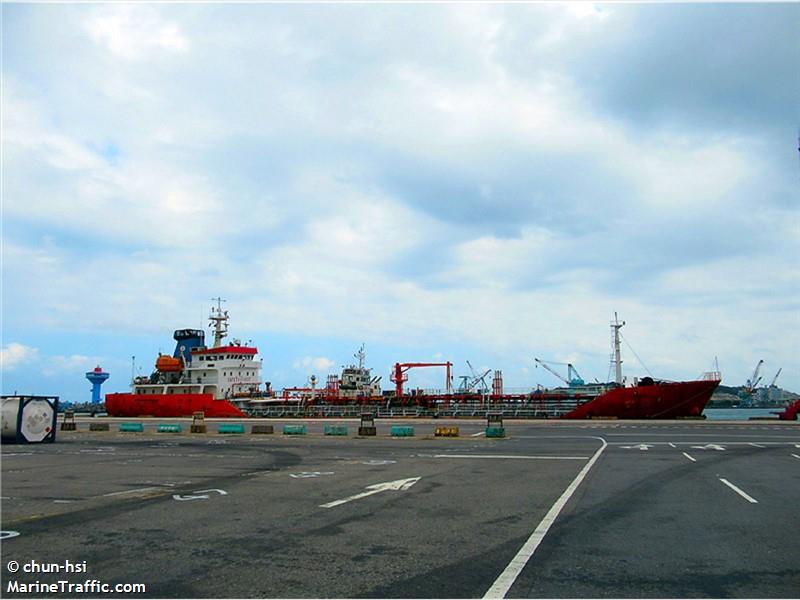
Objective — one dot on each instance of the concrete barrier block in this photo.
(495, 432)
(169, 428)
(99, 427)
(446, 432)
(294, 430)
(262, 429)
(334, 430)
(402, 431)
(131, 427)
(231, 428)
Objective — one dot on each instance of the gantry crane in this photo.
(398, 375)
(573, 379)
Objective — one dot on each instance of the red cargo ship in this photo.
(224, 381)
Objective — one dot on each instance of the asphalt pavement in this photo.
(554, 510)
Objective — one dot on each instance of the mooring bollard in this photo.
(69, 421)
(367, 427)
(494, 425)
(198, 422)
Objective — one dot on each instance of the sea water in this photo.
(739, 414)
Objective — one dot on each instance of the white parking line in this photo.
(509, 456)
(477, 434)
(795, 455)
(739, 491)
(691, 458)
(507, 578)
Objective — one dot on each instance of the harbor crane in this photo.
(573, 379)
(774, 379)
(399, 376)
(754, 378)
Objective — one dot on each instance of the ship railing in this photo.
(711, 376)
(549, 408)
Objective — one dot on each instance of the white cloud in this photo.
(14, 355)
(135, 32)
(310, 363)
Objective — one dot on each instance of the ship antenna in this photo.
(616, 326)
(360, 355)
(219, 321)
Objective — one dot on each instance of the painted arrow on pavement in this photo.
(709, 447)
(198, 495)
(399, 485)
(639, 446)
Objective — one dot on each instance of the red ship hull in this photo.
(168, 405)
(658, 401)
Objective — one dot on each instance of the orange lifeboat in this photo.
(166, 363)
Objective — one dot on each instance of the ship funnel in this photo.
(186, 340)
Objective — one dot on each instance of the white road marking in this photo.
(709, 447)
(198, 495)
(310, 474)
(795, 455)
(507, 578)
(133, 491)
(671, 445)
(399, 485)
(756, 445)
(477, 434)
(63, 501)
(691, 458)
(4, 535)
(375, 463)
(638, 447)
(510, 456)
(739, 491)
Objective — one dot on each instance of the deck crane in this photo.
(573, 379)
(399, 376)
(470, 383)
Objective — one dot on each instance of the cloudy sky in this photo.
(483, 182)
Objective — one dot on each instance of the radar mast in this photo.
(219, 321)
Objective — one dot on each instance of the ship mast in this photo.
(616, 326)
(219, 321)
(360, 355)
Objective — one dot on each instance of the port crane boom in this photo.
(774, 379)
(755, 378)
(572, 379)
(398, 375)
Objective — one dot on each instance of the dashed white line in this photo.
(795, 455)
(756, 445)
(507, 578)
(477, 434)
(510, 456)
(742, 493)
(671, 445)
(691, 458)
